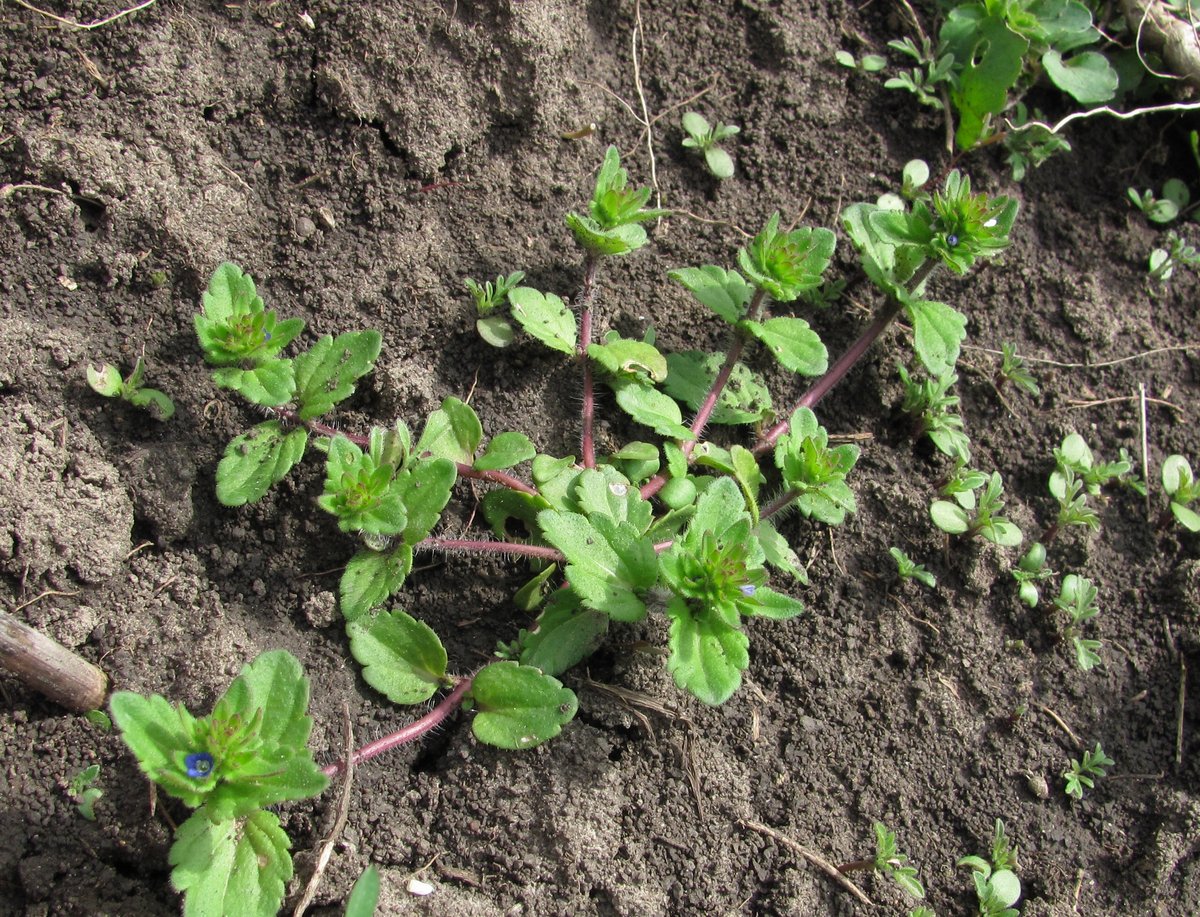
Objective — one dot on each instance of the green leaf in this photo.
(495, 330)
(949, 517)
(707, 655)
(452, 431)
(519, 707)
(424, 489)
(402, 658)
(565, 635)
(793, 343)
(1087, 77)
(724, 292)
(991, 69)
(155, 731)
(938, 331)
(745, 398)
(257, 459)
(1186, 517)
(105, 381)
(530, 596)
(695, 124)
(605, 491)
(767, 603)
(326, 373)
(786, 264)
(647, 405)
(779, 553)
(504, 451)
(719, 162)
(230, 292)
(145, 397)
(619, 240)
(364, 896)
(371, 576)
(607, 561)
(274, 683)
(546, 317)
(620, 355)
(231, 867)
(270, 384)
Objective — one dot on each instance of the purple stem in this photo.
(886, 315)
(586, 438)
(469, 546)
(409, 733)
(779, 503)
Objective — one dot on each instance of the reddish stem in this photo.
(779, 503)
(409, 733)
(586, 437)
(469, 546)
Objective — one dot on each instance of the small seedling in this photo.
(495, 329)
(1013, 370)
(707, 139)
(251, 752)
(1030, 145)
(107, 381)
(985, 520)
(1078, 600)
(889, 861)
(907, 569)
(99, 719)
(1029, 571)
(997, 887)
(913, 179)
(83, 791)
(1163, 261)
(1180, 485)
(868, 63)
(932, 76)
(929, 401)
(1083, 774)
(1174, 200)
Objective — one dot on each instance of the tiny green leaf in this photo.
(609, 562)
(949, 517)
(545, 317)
(565, 635)
(504, 451)
(495, 330)
(105, 381)
(402, 658)
(326, 373)
(371, 576)
(518, 707)
(1087, 76)
(726, 293)
(647, 405)
(257, 459)
(364, 896)
(938, 331)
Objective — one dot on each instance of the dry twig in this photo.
(814, 858)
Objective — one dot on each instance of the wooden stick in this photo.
(49, 667)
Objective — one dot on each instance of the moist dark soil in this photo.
(361, 161)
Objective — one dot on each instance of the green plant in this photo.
(1078, 599)
(1180, 485)
(1029, 571)
(1175, 199)
(364, 896)
(489, 298)
(1083, 774)
(869, 63)
(231, 855)
(997, 887)
(84, 792)
(889, 861)
(930, 402)
(107, 381)
(984, 519)
(1074, 455)
(1029, 144)
(1163, 261)
(907, 568)
(1013, 370)
(706, 139)
(930, 80)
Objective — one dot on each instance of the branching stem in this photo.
(409, 733)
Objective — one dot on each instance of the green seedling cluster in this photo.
(706, 139)
(930, 404)
(1178, 253)
(977, 512)
(1029, 571)
(106, 380)
(907, 568)
(868, 63)
(997, 888)
(1165, 209)
(1078, 600)
(1180, 486)
(83, 790)
(1078, 478)
(888, 861)
(250, 753)
(1013, 371)
(490, 298)
(1082, 774)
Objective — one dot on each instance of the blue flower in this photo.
(952, 240)
(748, 590)
(266, 336)
(199, 764)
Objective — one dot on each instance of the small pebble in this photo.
(417, 887)
(305, 227)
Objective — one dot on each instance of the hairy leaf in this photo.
(326, 373)
(402, 658)
(257, 459)
(519, 707)
(707, 655)
(371, 576)
(546, 317)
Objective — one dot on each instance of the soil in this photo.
(360, 161)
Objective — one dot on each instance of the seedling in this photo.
(984, 520)
(997, 887)
(1163, 261)
(1073, 509)
(1029, 145)
(1074, 455)
(489, 298)
(1175, 199)
(913, 179)
(868, 63)
(231, 855)
(1013, 370)
(107, 381)
(1180, 485)
(707, 139)
(908, 569)
(1082, 775)
(1029, 571)
(1078, 600)
(930, 402)
(889, 861)
(930, 79)
(84, 792)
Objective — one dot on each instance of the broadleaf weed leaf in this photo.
(402, 658)
(545, 317)
(234, 328)
(453, 432)
(326, 373)
(519, 707)
(786, 264)
(371, 577)
(362, 494)
(256, 459)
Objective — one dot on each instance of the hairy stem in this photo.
(587, 442)
(779, 503)
(891, 308)
(409, 733)
(475, 546)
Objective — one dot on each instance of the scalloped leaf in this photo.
(519, 707)
(402, 658)
(326, 373)
(545, 317)
(371, 577)
(256, 459)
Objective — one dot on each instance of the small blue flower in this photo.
(952, 240)
(199, 764)
(266, 336)
(748, 590)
